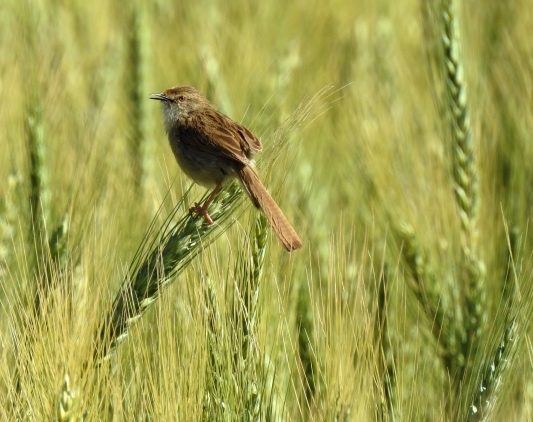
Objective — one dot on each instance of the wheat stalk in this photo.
(153, 270)
(386, 388)
(250, 295)
(240, 341)
(306, 352)
(465, 178)
(216, 383)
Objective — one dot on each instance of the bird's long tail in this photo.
(262, 199)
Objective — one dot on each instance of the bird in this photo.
(212, 149)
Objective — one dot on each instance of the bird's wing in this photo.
(215, 133)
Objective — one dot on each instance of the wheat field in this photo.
(397, 138)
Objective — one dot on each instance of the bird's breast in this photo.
(204, 168)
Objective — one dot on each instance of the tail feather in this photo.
(262, 199)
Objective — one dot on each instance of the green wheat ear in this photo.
(39, 175)
(158, 263)
(427, 290)
(67, 404)
(248, 314)
(49, 253)
(465, 180)
(216, 383)
(9, 211)
(306, 343)
(138, 142)
(236, 336)
(485, 398)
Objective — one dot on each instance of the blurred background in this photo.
(402, 297)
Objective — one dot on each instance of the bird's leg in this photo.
(202, 210)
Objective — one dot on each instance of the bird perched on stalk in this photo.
(212, 150)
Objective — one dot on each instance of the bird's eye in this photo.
(181, 98)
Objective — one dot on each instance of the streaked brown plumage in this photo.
(213, 149)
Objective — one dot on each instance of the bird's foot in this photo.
(201, 210)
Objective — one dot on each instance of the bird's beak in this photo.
(160, 97)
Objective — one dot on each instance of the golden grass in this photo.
(384, 314)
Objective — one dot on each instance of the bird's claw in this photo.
(197, 209)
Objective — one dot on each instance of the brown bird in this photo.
(212, 149)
